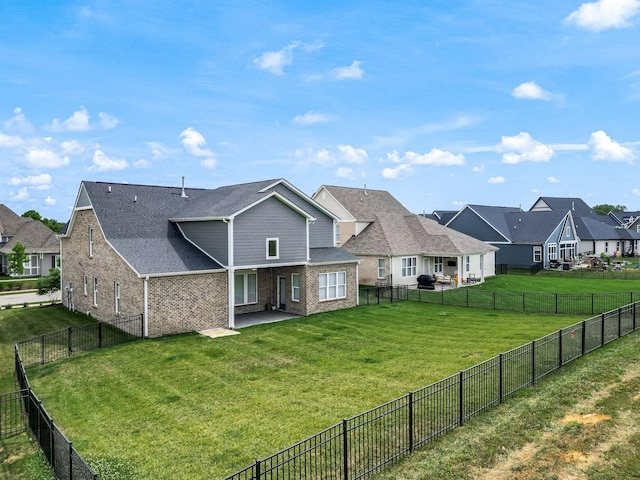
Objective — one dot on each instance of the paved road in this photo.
(29, 296)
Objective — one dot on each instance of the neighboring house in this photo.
(194, 259)
(553, 230)
(40, 243)
(395, 245)
(597, 233)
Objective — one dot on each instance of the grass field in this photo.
(216, 405)
(193, 407)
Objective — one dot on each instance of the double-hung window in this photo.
(90, 242)
(553, 251)
(467, 263)
(382, 270)
(246, 288)
(437, 265)
(295, 287)
(116, 299)
(85, 285)
(409, 266)
(333, 285)
(537, 253)
(95, 291)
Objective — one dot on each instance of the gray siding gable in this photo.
(469, 223)
(270, 218)
(210, 236)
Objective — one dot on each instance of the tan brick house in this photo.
(396, 246)
(194, 259)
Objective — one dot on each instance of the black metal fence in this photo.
(546, 303)
(362, 445)
(375, 295)
(58, 450)
(12, 416)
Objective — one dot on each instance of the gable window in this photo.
(295, 287)
(90, 242)
(553, 251)
(437, 265)
(337, 233)
(567, 231)
(409, 266)
(116, 299)
(537, 253)
(95, 291)
(85, 285)
(382, 269)
(333, 285)
(245, 288)
(273, 248)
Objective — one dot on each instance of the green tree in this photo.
(605, 208)
(50, 284)
(32, 214)
(50, 223)
(17, 259)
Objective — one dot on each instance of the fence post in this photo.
(556, 303)
(592, 312)
(602, 319)
(42, 349)
(500, 381)
(99, 334)
(461, 402)
(258, 472)
(634, 316)
(584, 337)
(410, 421)
(619, 322)
(533, 362)
(345, 451)
(560, 348)
(70, 341)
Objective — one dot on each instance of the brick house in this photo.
(193, 259)
(396, 246)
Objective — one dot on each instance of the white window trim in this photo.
(438, 264)
(537, 252)
(467, 263)
(295, 288)
(91, 241)
(245, 288)
(277, 242)
(409, 266)
(95, 291)
(328, 286)
(552, 249)
(382, 269)
(116, 300)
(85, 285)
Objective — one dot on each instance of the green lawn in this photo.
(188, 407)
(538, 283)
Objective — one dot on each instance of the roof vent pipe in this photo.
(183, 194)
(135, 198)
(109, 188)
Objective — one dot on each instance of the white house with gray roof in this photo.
(194, 259)
(395, 245)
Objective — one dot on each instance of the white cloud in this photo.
(478, 168)
(209, 163)
(50, 201)
(193, 141)
(274, 61)
(78, 122)
(22, 194)
(608, 150)
(604, 14)
(311, 118)
(352, 72)
(498, 179)
(553, 180)
(43, 179)
(72, 147)
(398, 172)
(346, 172)
(523, 148)
(19, 122)
(158, 150)
(10, 141)
(142, 163)
(45, 158)
(531, 91)
(104, 163)
(353, 155)
(636, 192)
(107, 121)
(435, 157)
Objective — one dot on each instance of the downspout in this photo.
(230, 275)
(358, 284)
(146, 307)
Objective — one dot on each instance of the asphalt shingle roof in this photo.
(33, 234)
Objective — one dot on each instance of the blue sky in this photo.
(441, 103)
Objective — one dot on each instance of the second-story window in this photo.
(273, 248)
(90, 242)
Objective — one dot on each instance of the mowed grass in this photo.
(190, 407)
(542, 284)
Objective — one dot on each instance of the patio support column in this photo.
(460, 270)
(231, 273)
